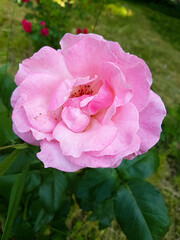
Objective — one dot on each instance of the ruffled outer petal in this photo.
(15, 97)
(86, 56)
(106, 161)
(26, 136)
(137, 74)
(48, 61)
(132, 148)
(87, 160)
(19, 118)
(114, 78)
(36, 91)
(150, 120)
(95, 138)
(52, 156)
(126, 120)
(23, 128)
(69, 39)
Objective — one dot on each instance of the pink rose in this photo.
(86, 105)
(45, 32)
(85, 31)
(27, 26)
(78, 30)
(42, 23)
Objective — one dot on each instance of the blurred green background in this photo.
(148, 29)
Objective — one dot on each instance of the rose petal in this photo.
(20, 119)
(127, 123)
(116, 81)
(133, 147)
(85, 57)
(150, 120)
(41, 135)
(69, 39)
(46, 60)
(75, 119)
(137, 75)
(26, 136)
(15, 97)
(95, 138)
(36, 101)
(23, 126)
(102, 99)
(51, 155)
(61, 94)
(87, 160)
(106, 161)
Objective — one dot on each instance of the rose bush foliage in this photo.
(88, 104)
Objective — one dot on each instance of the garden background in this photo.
(148, 29)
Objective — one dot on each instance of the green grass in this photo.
(141, 30)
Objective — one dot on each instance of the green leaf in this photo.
(42, 219)
(141, 211)
(52, 191)
(95, 186)
(26, 156)
(37, 214)
(33, 180)
(104, 213)
(6, 132)
(23, 230)
(72, 181)
(142, 166)
(14, 201)
(58, 225)
(7, 85)
(6, 183)
(8, 161)
(29, 4)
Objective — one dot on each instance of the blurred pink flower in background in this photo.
(43, 23)
(78, 30)
(27, 26)
(45, 31)
(85, 31)
(25, 0)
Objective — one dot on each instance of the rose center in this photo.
(81, 90)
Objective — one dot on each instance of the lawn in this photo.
(148, 31)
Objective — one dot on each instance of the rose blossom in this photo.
(42, 23)
(27, 26)
(78, 30)
(45, 32)
(86, 105)
(85, 31)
